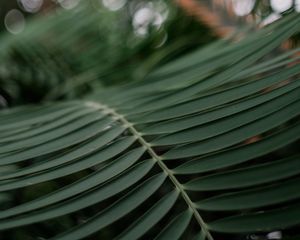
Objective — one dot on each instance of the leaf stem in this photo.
(159, 161)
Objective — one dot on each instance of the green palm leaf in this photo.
(168, 157)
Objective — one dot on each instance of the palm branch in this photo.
(203, 148)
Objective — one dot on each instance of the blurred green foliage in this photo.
(71, 52)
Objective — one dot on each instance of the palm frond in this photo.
(196, 150)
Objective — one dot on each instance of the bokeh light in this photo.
(281, 5)
(114, 5)
(148, 16)
(297, 5)
(14, 21)
(271, 18)
(68, 4)
(31, 6)
(243, 7)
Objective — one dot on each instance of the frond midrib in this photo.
(130, 126)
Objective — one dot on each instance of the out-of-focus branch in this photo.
(219, 16)
(213, 14)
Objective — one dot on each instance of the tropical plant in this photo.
(205, 147)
